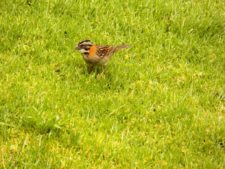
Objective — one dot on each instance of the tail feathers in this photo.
(121, 47)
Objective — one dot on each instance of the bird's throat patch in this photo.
(92, 51)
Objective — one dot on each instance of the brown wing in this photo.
(105, 51)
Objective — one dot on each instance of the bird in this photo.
(97, 55)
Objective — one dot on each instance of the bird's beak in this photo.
(77, 48)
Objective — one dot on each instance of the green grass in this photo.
(160, 104)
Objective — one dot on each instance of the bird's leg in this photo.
(90, 68)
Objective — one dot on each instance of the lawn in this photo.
(159, 104)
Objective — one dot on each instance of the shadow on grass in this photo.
(52, 130)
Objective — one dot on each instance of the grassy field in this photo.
(160, 104)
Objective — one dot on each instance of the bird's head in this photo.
(84, 46)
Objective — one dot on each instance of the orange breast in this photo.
(92, 51)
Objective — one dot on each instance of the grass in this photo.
(159, 104)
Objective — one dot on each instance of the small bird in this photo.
(95, 55)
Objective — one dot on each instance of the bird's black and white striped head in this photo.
(84, 46)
